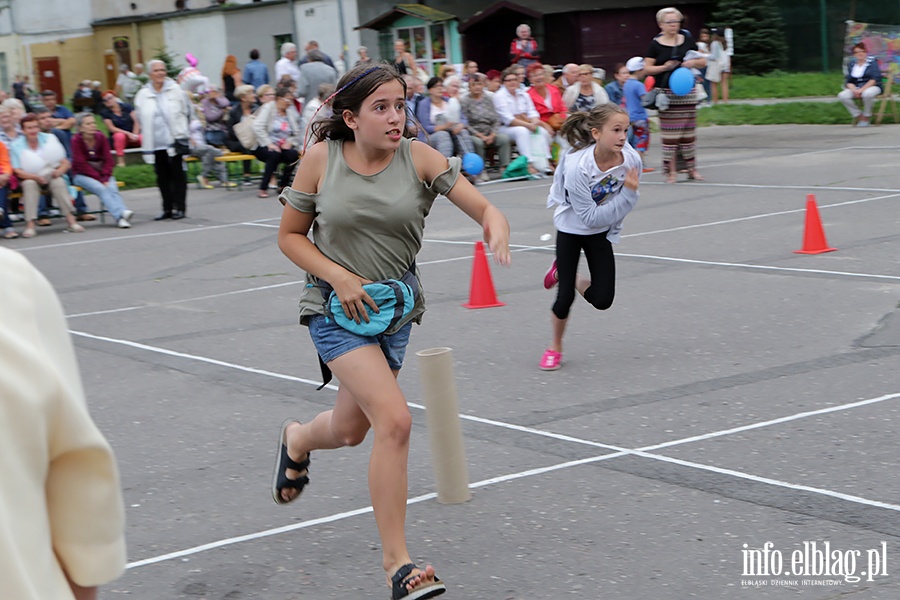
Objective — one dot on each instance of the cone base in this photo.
(822, 251)
(493, 305)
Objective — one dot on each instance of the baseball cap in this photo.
(635, 63)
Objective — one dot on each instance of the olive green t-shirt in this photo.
(372, 225)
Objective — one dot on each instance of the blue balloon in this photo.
(681, 81)
(472, 163)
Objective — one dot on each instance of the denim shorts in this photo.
(332, 341)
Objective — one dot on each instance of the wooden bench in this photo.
(16, 214)
(887, 97)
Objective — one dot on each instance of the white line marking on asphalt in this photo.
(617, 451)
(758, 216)
(761, 267)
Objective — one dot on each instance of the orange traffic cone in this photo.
(814, 236)
(481, 293)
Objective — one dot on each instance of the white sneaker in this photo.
(124, 224)
(127, 214)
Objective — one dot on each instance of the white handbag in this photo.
(245, 134)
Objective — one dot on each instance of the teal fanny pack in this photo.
(395, 300)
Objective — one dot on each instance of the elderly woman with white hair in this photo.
(524, 49)
(164, 111)
(668, 51)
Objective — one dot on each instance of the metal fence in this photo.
(812, 47)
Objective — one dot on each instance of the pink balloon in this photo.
(192, 60)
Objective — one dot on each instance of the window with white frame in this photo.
(428, 44)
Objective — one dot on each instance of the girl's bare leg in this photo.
(369, 395)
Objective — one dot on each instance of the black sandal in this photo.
(283, 462)
(404, 575)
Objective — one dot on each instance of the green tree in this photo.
(760, 45)
(172, 69)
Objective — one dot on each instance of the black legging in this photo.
(171, 180)
(288, 156)
(601, 264)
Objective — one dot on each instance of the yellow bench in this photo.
(229, 158)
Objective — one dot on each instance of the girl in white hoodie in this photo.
(594, 187)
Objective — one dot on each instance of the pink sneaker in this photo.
(550, 277)
(551, 360)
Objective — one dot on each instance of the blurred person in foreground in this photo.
(62, 531)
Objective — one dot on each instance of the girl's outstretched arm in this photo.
(430, 163)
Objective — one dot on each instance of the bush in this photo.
(760, 45)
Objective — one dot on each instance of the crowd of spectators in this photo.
(252, 110)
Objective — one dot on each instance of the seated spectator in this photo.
(443, 126)
(568, 76)
(83, 98)
(215, 109)
(453, 86)
(243, 109)
(484, 123)
(470, 68)
(314, 111)
(279, 132)
(18, 110)
(586, 93)
(547, 99)
(9, 127)
(520, 120)
(265, 93)
(861, 83)
(123, 130)
(207, 155)
(447, 71)
(39, 163)
(615, 89)
(493, 82)
(6, 225)
(45, 122)
(92, 166)
(62, 117)
(414, 87)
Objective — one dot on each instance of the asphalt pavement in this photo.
(728, 429)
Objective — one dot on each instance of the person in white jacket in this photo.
(164, 111)
(62, 525)
(279, 135)
(595, 186)
(520, 120)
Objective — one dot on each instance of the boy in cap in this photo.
(633, 89)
